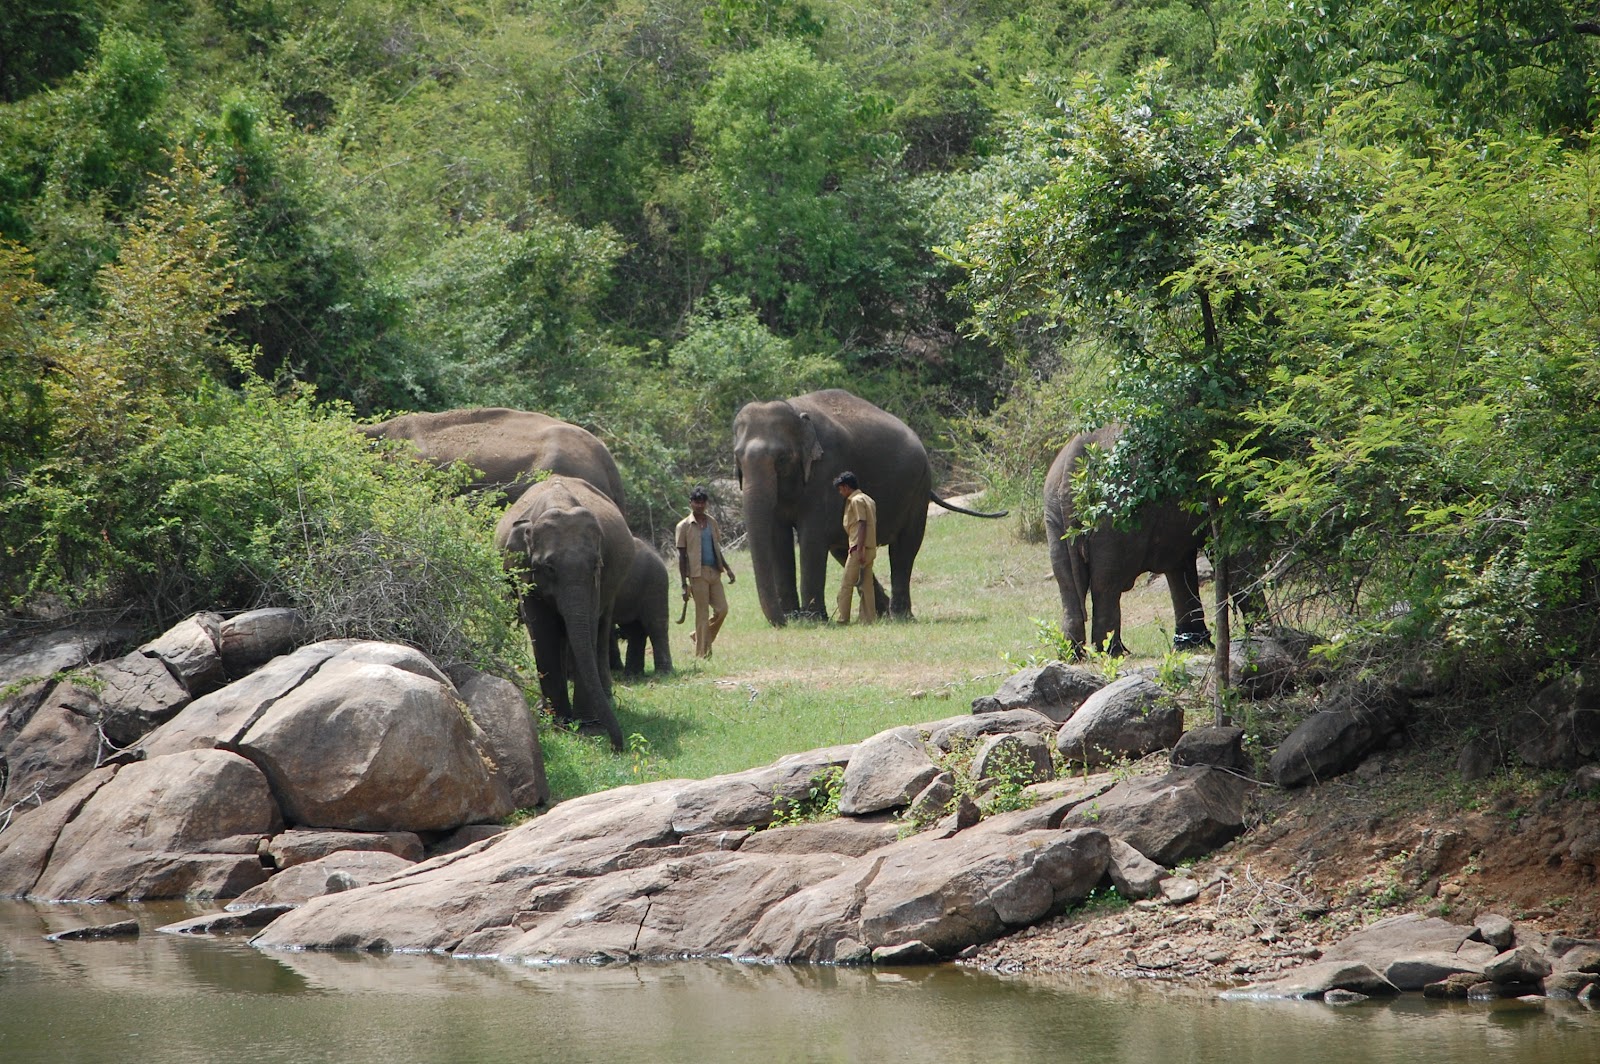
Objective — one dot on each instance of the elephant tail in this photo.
(953, 508)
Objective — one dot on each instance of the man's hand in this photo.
(731, 577)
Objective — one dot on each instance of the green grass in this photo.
(976, 592)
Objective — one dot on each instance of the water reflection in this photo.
(176, 999)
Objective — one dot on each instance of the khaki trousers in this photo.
(858, 575)
(710, 609)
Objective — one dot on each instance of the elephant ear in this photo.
(810, 446)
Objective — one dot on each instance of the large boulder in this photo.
(1259, 666)
(1020, 758)
(27, 843)
(1186, 813)
(499, 708)
(370, 746)
(181, 826)
(1561, 727)
(1053, 689)
(1357, 720)
(222, 717)
(192, 651)
(256, 637)
(126, 697)
(887, 771)
(56, 748)
(1127, 719)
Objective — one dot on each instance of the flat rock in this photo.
(1316, 980)
(26, 846)
(119, 929)
(1418, 970)
(849, 836)
(252, 639)
(298, 885)
(1524, 964)
(227, 923)
(1382, 943)
(303, 845)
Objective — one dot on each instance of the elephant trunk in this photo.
(591, 702)
(771, 543)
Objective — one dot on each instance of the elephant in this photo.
(506, 448)
(571, 546)
(1103, 562)
(641, 613)
(787, 453)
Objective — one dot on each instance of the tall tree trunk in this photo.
(1221, 615)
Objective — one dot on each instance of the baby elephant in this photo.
(642, 608)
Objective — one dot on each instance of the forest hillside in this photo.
(1335, 267)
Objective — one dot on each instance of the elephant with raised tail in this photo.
(571, 546)
(787, 453)
(1102, 562)
(507, 447)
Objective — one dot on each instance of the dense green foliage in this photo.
(1333, 266)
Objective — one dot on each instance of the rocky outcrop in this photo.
(131, 787)
(1442, 960)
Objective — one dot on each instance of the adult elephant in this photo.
(641, 613)
(1102, 562)
(507, 448)
(787, 452)
(571, 546)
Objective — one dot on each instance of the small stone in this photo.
(1343, 997)
(1218, 958)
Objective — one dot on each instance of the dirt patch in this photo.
(1402, 834)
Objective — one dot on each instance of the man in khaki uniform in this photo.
(701, 565)
(861, 531)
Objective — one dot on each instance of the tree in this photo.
(805, 224)
(1156, 237)
(1509, 63)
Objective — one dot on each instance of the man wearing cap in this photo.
(861, 531)
(701, 565)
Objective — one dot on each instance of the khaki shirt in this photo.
(860, 507)
(687, 537)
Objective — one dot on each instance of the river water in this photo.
(167, 999)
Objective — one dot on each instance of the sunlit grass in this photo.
(977, 593)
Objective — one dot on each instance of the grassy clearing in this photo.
(977, 593)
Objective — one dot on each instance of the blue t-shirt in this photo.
(708, 551)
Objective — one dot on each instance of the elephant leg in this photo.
(902, 557)
(635, 663)
(618, 635)
(1188, 613)
(660, 647)
(814, 551)
(1074, 616)
(549, 655)
(1107, 621)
